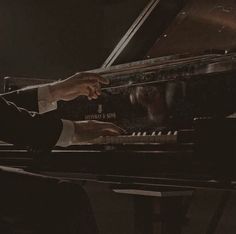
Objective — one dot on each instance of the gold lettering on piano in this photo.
(104, 116)
(111, 115)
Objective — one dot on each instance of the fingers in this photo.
(118, 129)
(113, 127)
(87, 131)
(92, 93)
(109, 132)
(95, 78)
(97, 87)
(103, 80)
(94, 124)
(94, 90)
(83, 84)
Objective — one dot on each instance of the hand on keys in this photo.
(87, 131)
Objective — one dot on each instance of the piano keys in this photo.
(137, 138)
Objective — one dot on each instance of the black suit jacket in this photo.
(22, 127)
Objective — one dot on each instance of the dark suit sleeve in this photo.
(27, 99)
(21, 127)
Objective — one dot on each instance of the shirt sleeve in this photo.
(44, 97)
(67, 134)
(44, 104)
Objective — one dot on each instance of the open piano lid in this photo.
(201, 26)
(170, 27)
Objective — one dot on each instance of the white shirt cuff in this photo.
(67, 134)
(44, 97)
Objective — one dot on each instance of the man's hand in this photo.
(80, 84)
(87, 131)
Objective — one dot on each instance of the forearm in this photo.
(20, 127)
(27, 99)
(39, 100)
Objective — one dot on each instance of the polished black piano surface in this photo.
(177, 107)
(176, 112)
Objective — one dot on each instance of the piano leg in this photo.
(160, 214)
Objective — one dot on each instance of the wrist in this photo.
(67, 135)
(54, 90)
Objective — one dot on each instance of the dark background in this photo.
(53, 39)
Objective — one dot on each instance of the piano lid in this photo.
(142, 34)
(201, 26)
(171, 27)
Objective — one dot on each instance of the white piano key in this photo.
(111, 139)
(153, 133)
(118, 140)
(152, 139)
(157, 139)
(107, 140)
(127, 139)
(143, 139)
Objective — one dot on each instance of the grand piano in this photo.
(172, 87)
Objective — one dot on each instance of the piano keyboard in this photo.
(137, 138)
